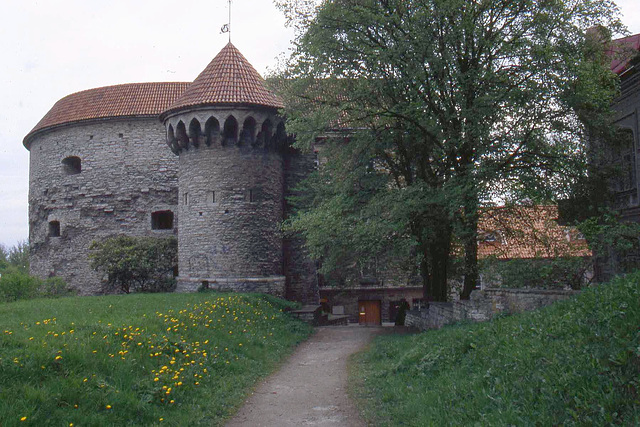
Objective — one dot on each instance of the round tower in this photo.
(99, 168)
(229, 138)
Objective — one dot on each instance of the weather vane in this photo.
(226, 28)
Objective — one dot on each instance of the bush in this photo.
(538, 273)
(139, 264)
(55, 287)
(15, 285)
(18, 285)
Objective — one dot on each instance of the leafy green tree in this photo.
(3, 257)
(140, 264)
(447, 106)
(18, 256)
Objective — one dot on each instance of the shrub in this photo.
(140, 264)
(539, 273)
(614, 242)
(18, 285)
(15, 285)
(55, 287)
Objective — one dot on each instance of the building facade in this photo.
(207, 161)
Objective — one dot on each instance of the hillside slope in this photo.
(576, 362)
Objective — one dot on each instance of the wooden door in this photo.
(369, 313)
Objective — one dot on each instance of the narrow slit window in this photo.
(162, 220)
(54, 229)
(250, 195)
(186, 199)
(211, 197)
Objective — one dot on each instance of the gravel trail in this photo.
(311, 387)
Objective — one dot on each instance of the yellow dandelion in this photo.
(23, 419)
(108, 406)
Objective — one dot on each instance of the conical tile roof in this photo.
(228, 79)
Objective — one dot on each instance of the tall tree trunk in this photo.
(434, 264)
(470, 242)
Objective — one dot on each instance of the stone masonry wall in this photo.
(484, 305)
(348, 298)
(127, 172)
(231, 209)
(299, 269)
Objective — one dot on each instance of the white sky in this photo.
(51, 49)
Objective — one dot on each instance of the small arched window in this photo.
(230, 132)
(247, 137)
(195, 132)
(212, 131)
(72, 165)
(181, 135)
(54, 228)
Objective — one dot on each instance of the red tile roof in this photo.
(621, 51)
(228, 79)
(527, 232)
(127, 100)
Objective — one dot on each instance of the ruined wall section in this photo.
(126, 173)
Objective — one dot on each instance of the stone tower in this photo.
(229, 138)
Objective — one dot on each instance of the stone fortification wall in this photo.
(484, 305)
(300, 271)
(126, 172)
(230, 213)
(231, 187)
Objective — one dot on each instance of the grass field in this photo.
(153, 359)
(574, 363)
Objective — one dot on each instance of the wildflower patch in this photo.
(138, 358)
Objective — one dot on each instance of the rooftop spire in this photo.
(228, 79)
(226, 28)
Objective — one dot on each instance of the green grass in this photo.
(574, 363)
(154, 359)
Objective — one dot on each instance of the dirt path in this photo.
(311, 387)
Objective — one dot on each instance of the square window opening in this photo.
(54, 229)
(162, 220)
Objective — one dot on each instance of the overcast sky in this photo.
(52, 48)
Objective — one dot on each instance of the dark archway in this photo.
(265, 135)
(181, 135)
(247, 136)
(212, 131)
(195, 133)
(230, 133)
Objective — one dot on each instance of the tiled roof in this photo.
(527, 232)
(621, 52)
(228, 79)
(135, 99)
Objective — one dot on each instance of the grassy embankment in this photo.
(574, 363)
(165, 359)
